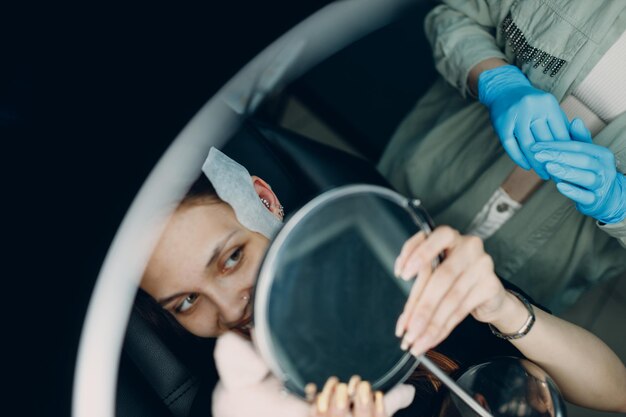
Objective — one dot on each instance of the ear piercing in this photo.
(245, 297)
(281, 210)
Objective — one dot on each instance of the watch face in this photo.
(327, 300)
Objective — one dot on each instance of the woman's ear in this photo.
(267, 196)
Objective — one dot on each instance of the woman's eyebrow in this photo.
(218, 249)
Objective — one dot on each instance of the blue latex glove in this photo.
(585, 173)
(521, 114)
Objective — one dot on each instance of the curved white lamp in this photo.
(308, 43)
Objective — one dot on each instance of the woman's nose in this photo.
(235, 308)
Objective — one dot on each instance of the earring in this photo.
(245, 297)
(281, 210)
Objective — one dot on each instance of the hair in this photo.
(200, 192)
(446, 364)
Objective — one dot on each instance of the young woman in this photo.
(204, 267)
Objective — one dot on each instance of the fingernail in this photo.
(309, 391)
(420, 346)
(341, 396)
(406, 276)
(406, 342)
(364, 393)
(330, 382)
(400, 325)
(378, 399)
(553, 168)
(322, 403)
(352, 384)
(542, 156)
(396, 268)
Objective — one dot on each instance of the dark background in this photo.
(90, 97)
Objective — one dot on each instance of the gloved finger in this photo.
(504, 130)
(577, 194)
(526, 140)
(401, 396)
(579, 131)
(580, 177)
(540, 130)
(572, 159)
(571, 146)
(237, 362)
(558, 125)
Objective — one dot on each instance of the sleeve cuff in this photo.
(617, 230)
(458, 64)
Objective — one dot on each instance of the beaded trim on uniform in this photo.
(526, 53)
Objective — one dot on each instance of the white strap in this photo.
(500, 208)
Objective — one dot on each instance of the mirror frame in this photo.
(262, 291)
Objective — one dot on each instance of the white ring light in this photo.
(307, 44)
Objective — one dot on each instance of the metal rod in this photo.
(449, 382)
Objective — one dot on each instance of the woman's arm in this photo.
(585, 369)
(461, 34)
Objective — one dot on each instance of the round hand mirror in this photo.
(326, 300)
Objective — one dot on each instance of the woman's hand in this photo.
(521, 114)
(356, 399)
(586, 174)
(464, 283)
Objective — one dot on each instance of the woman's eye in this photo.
(233, 259)
(187, 303)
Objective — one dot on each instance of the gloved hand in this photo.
(247, 388)
(521, 114)
(585, 173)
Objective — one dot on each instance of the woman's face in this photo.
(204, 267)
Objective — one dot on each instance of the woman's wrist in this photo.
(511, 316)
(472, 78)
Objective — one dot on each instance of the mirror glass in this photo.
(327, 301)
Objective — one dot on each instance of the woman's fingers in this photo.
(581, 177)
(408, 248)
(310, 390)
(474, 288)
(352, 385)
(447, 284)
(363, 402)
(577, 194)
(354, 399)
(526, 139)
(340, 403)
(579, 131)
(418, 262)
(322, 404)
(379, 406)
(504, 129)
